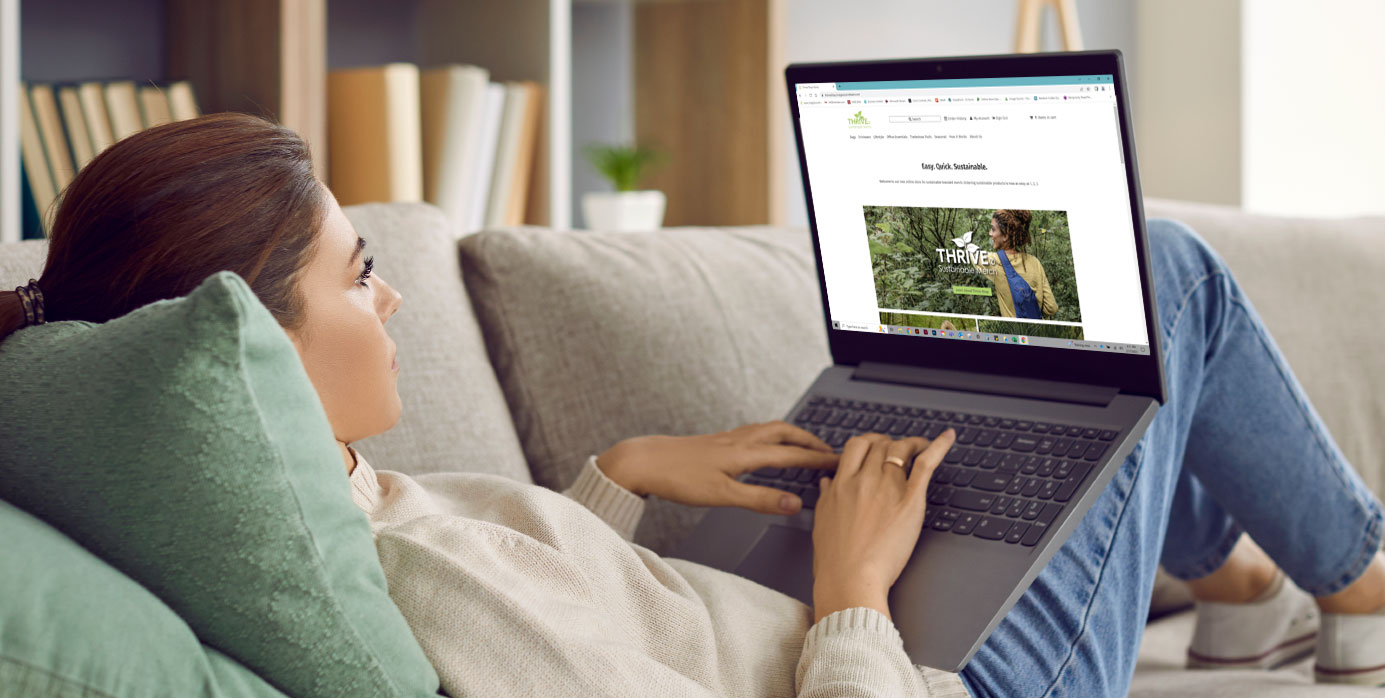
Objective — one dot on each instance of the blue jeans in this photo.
(1236, 448)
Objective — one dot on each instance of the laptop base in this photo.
(956, 588)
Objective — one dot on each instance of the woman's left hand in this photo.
(701, 470)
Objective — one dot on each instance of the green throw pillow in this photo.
(184, 444)
(71, 626)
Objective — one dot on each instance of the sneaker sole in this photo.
(1372, 676)
(1287, 652)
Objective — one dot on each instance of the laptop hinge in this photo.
(987, 383)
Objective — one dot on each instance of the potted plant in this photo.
(626, 209)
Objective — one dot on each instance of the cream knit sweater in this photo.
(513, 589)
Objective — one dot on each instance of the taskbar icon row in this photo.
(955, 334)
(976, 336)
(944, 332)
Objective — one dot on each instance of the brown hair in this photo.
(155, 214)
(1014, 225)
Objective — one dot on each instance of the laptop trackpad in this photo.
(782, 559)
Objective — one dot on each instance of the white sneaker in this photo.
(1351, 649)
(1278, 628)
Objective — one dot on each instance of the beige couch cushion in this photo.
(454, 415)
(598, 337)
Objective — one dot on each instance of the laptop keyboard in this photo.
(1003, 480)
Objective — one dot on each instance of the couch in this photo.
(523, 350)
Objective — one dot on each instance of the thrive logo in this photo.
(857, 121)
(966, 253)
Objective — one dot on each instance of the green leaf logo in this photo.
(858, 119)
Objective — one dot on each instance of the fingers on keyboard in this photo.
(1004, 479)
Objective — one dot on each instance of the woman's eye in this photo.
(365, 272)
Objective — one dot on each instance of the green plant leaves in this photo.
(623, 165)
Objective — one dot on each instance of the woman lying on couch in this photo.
(513, 589)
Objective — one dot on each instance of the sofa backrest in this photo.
(602, 336)
(454, 415)
(21, 261)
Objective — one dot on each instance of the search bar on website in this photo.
(915, 119)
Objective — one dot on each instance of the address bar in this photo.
(927, 95)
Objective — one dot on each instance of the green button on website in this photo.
(971, 290)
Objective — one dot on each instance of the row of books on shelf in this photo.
(448, 135)
(62, 126)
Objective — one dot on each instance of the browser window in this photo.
(989, 209)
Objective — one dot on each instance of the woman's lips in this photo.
(394, 364)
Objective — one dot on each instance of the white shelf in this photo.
(10, 211)
(560, 114)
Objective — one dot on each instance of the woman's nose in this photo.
(391, 300)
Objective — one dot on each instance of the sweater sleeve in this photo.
(620, 508)
(857, 653)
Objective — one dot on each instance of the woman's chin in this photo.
(392, 412)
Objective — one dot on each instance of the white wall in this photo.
(1187, 97)
(1271, 105)
(831, 30)
(1313, 90)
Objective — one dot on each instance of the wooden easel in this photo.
(1030, 11)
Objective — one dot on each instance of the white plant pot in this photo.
(624, 211)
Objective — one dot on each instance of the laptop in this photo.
(983, 265)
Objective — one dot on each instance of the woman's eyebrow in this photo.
(360, 245)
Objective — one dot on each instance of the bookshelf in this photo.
(271, 57)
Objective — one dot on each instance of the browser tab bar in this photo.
(1079, 80)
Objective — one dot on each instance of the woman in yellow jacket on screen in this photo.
(1021, 287)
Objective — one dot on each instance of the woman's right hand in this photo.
(868, 519)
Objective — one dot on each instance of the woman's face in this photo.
(997, 239)
(342, 342)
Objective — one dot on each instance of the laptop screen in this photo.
(975, 209)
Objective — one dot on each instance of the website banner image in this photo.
(1003, 263)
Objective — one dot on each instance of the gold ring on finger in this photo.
(896, 460)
